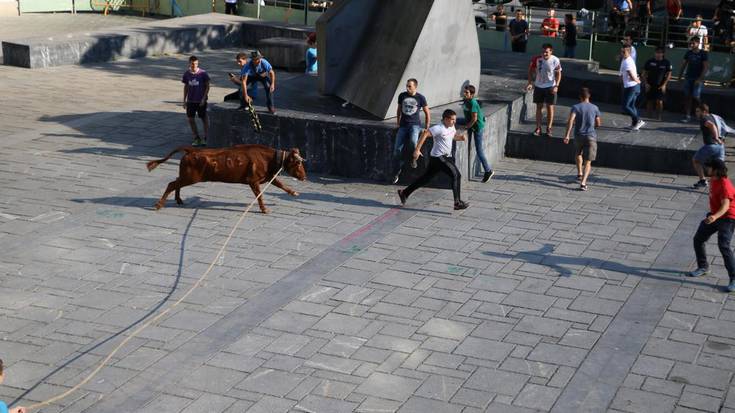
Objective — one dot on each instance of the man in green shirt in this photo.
(475, 124)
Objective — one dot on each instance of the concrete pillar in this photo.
(368, 49)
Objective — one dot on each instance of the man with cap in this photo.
(259, 70)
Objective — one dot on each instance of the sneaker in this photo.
(698, 272)
(731, 287)
(489, 174)
(582, 187)
(639, 125)
(700, 184)
(197, 142)
(402, 197)
(687, 119)
(396, 178)
(461, 205)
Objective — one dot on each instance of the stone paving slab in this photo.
(498, 308)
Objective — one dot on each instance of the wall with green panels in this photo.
(492, 39)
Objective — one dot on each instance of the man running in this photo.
(440, 159)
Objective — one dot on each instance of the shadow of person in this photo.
(565, 266)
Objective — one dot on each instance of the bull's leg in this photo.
(172, 186)
(288, 190)
(256, 190)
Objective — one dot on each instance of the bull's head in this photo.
(294, 164)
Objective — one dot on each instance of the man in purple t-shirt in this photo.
(196, 90)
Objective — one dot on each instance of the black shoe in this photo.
(700, 184)
(461, 205)
(402, 197)
(489, 174)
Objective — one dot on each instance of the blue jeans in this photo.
(569, 51)
(404, 132)
(630, 95)
(266, 82)
(724, 228)
(478, 138)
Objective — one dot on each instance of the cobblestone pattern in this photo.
(492, 309)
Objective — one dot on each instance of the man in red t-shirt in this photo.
(550, 25)
(720, 220)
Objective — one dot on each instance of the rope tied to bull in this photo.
(160, 315)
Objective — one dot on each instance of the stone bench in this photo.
(284, 52)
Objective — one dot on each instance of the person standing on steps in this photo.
(631, 88)
(713, 146)
(570, 36)
(656, 76)
(584, 118)
(440, 160)
(518, 33)
(544, 76)
(410, 103)
(231, 7)
(720, 220)
(695, 65)
(475, 125)
(196, 90)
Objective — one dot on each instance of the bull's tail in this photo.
(153, 164)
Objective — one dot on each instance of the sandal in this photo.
(537, 132)
(583, 187)
(579, 177)
(549, 133)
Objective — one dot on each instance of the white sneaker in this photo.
(687, 119)
(639, 125)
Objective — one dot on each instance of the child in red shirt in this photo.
(721, 219)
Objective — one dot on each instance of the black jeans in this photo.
(518, 46)
(230, 8)
(437, 164)
(724, 228)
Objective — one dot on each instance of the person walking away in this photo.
(631, 88)
(259, 70)
(196, 91)
(713, 146)
(519, 32)
(698, 31)
(720, 220)
(440, 159)
(241, 59)
(410, 103)
(231, 7)
(501, 23)
(695, 65)
(570, 36)
(550, 25)
(544, 76)
(310, 59)
(3, 406)
(584, 119)
(475, 126)
(656, 76)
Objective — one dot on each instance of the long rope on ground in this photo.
(160, 315)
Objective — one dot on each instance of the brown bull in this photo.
(243, 164)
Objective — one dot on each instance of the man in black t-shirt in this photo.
(519, 32)
(500, 18)
(656, 76)
(410, 104)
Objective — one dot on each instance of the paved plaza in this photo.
(536, 298)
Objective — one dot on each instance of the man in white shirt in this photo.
(698, 31)
(440, 160)
(230, 6)
(544, 75)
(631, 87)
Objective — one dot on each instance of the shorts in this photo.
(585, 146)
(195, 109)
(544, 95)
(707, 152)
(690, 89)
(654, 93)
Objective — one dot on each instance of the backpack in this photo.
(722, 127)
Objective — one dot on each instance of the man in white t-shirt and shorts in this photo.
(544, 75)
(440, 160)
